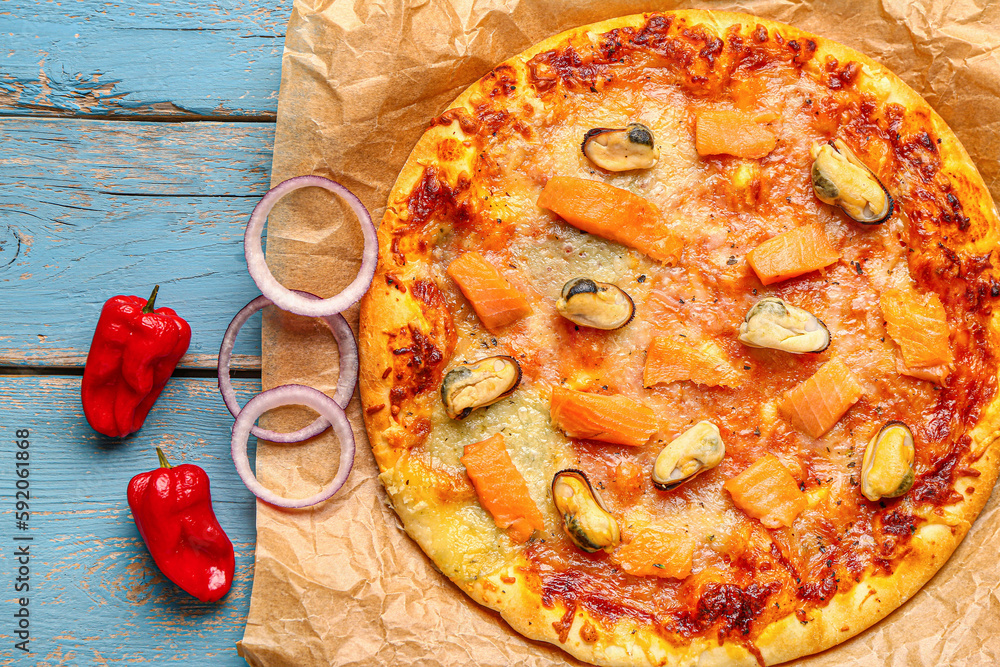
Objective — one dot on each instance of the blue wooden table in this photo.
(134, 141)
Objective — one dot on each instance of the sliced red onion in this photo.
(280, 295)
(346, 382)
(292, 394)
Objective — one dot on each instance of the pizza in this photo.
(681, 347)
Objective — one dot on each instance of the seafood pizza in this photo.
(681, 347)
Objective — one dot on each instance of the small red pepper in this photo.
(134, 351)
(172, 508)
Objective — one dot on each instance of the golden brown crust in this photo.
(390, 307)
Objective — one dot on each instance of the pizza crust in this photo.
(386, 309)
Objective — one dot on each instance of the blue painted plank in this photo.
(90, 209)
(240, 17)
(175, 59)
(96, 597)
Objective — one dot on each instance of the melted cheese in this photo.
(463, 534)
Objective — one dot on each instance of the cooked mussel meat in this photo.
(694, 451)
(594, 304)
(478, 384)
(586, 519)
(887, 469)
(775, 324)
(840, 178)
(621, 149)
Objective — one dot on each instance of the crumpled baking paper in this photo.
(342, 584)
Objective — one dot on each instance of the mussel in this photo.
(586, 519)
(887, 469)
(778, 325)
(840, 178)
(594, 304)
(631, 147)
(478, 384)
(694, 451)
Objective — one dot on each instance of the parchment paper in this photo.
(342, 584)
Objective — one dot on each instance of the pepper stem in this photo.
(148, 308)
(164, 463)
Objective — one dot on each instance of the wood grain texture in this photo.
(91, 209)
(96, 596)
(179, 60)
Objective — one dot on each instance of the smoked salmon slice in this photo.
(614, 419)
(768, 492)
(936, 374)
(675, 358)
(501, 488)
(657, 552)
(919, 326)
(611, 213)
(791, 254)
(496, 303)
(731, 133)
(815, 405)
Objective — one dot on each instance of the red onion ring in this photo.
(280, 295)
(346, 381)
(292, 394)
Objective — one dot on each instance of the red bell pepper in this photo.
(134, 351)
(172, 508)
